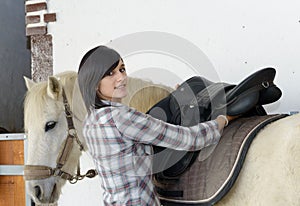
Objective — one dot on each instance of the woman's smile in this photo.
(122, 86)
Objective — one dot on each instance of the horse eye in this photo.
(49, 125)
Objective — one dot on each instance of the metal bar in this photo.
(11, 170)
(13, 136)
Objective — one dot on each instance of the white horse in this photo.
(270, 174)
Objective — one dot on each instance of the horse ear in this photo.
(29, 83)
(54, 89)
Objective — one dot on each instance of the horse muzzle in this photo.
(44, 192)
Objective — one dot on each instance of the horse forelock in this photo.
(35, 101)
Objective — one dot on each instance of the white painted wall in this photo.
(238, 37)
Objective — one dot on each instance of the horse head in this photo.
(47, 128)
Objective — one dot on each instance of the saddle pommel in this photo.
(256, 89)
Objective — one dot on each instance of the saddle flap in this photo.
(242, 103)
(186, 92)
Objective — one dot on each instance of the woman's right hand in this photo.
(223, 121)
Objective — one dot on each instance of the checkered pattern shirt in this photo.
(119, 138)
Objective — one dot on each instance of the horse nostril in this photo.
(38, 192)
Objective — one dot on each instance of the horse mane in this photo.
(149, 92)
(36, 97)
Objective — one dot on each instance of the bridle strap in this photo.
(37, 172)
(69, 116)
(68, 111)
(65, 152)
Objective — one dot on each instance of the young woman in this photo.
(119, 138)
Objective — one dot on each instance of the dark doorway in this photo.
(14, 64)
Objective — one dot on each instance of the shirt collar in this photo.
(107, 102)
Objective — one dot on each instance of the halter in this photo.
(37, 172)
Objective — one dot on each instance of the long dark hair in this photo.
(95, 65)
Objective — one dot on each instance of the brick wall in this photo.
(37, 18)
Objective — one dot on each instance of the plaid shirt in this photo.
(119, 139)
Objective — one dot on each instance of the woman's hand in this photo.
(223, 121)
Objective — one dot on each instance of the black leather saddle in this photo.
(198, 99)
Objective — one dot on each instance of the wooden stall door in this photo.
(12, 188)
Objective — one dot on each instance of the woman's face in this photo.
(113, 86)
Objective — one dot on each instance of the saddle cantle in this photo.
(198, 99)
